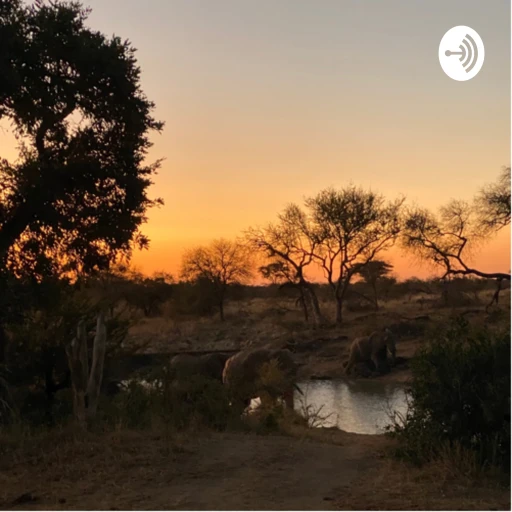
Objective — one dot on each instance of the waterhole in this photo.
(362, 406)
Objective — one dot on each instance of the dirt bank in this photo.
(317, 471)
(320, 351)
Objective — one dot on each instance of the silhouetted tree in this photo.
(350, 228)
(276, 272)
(289, 247)
(447, 239)
(221, 263)
(147, 294)
(77, 194)
(372, 273)
(493, 203)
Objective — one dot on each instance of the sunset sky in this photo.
(266, 102)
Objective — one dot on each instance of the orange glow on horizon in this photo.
(494, 256)
(266, 103)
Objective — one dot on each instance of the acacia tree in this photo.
(493, 203)
(447, 239)
(222, 263)
(277, 272)
(289, 246)
(351, 227)
(372, 273)
(450, 238)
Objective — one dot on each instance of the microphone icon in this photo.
(461, 53)
(468, 53)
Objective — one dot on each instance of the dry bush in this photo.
(434, 486)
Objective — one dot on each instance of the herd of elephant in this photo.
(241, 373)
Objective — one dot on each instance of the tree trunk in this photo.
(312, 303)
(98, 360)
(79, 368)
(221, 310)
(375, 299)
(302, 300)
(339, 310)
(445, 293)
(3, 345)
(340, 292)
(496, 295)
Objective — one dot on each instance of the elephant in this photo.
(372, 348)
(243, 374)
(184, 366)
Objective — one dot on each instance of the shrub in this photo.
(200, 402)
(193, 299)
(460, 396)
(132, 407)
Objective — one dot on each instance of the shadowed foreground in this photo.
(137, 471)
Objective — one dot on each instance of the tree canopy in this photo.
(449, 238)
(493, 202)
(221, 263)
(351, 227)
(77, 194)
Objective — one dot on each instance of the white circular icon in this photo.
(461, 53)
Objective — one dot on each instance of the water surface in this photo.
(361, 406)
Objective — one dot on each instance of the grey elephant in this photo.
(373, 348)
(183, 367)
(244, 376)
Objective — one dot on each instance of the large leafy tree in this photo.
(77, 194)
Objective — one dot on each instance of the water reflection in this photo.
(354, 406)
(361, 406)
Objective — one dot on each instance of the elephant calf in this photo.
(372, 348)
(243, 376)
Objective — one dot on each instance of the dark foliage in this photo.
(460, 394)
(201, 403)
(194, 298)
(77, 194)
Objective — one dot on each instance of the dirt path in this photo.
(326, 470)
(247, 472)
(222, 471)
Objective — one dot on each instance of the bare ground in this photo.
(312, 469)
(321, 351)
(318, 470)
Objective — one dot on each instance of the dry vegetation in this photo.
(290, 467)
(320, 351)
(72, 206)
(305, 470)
